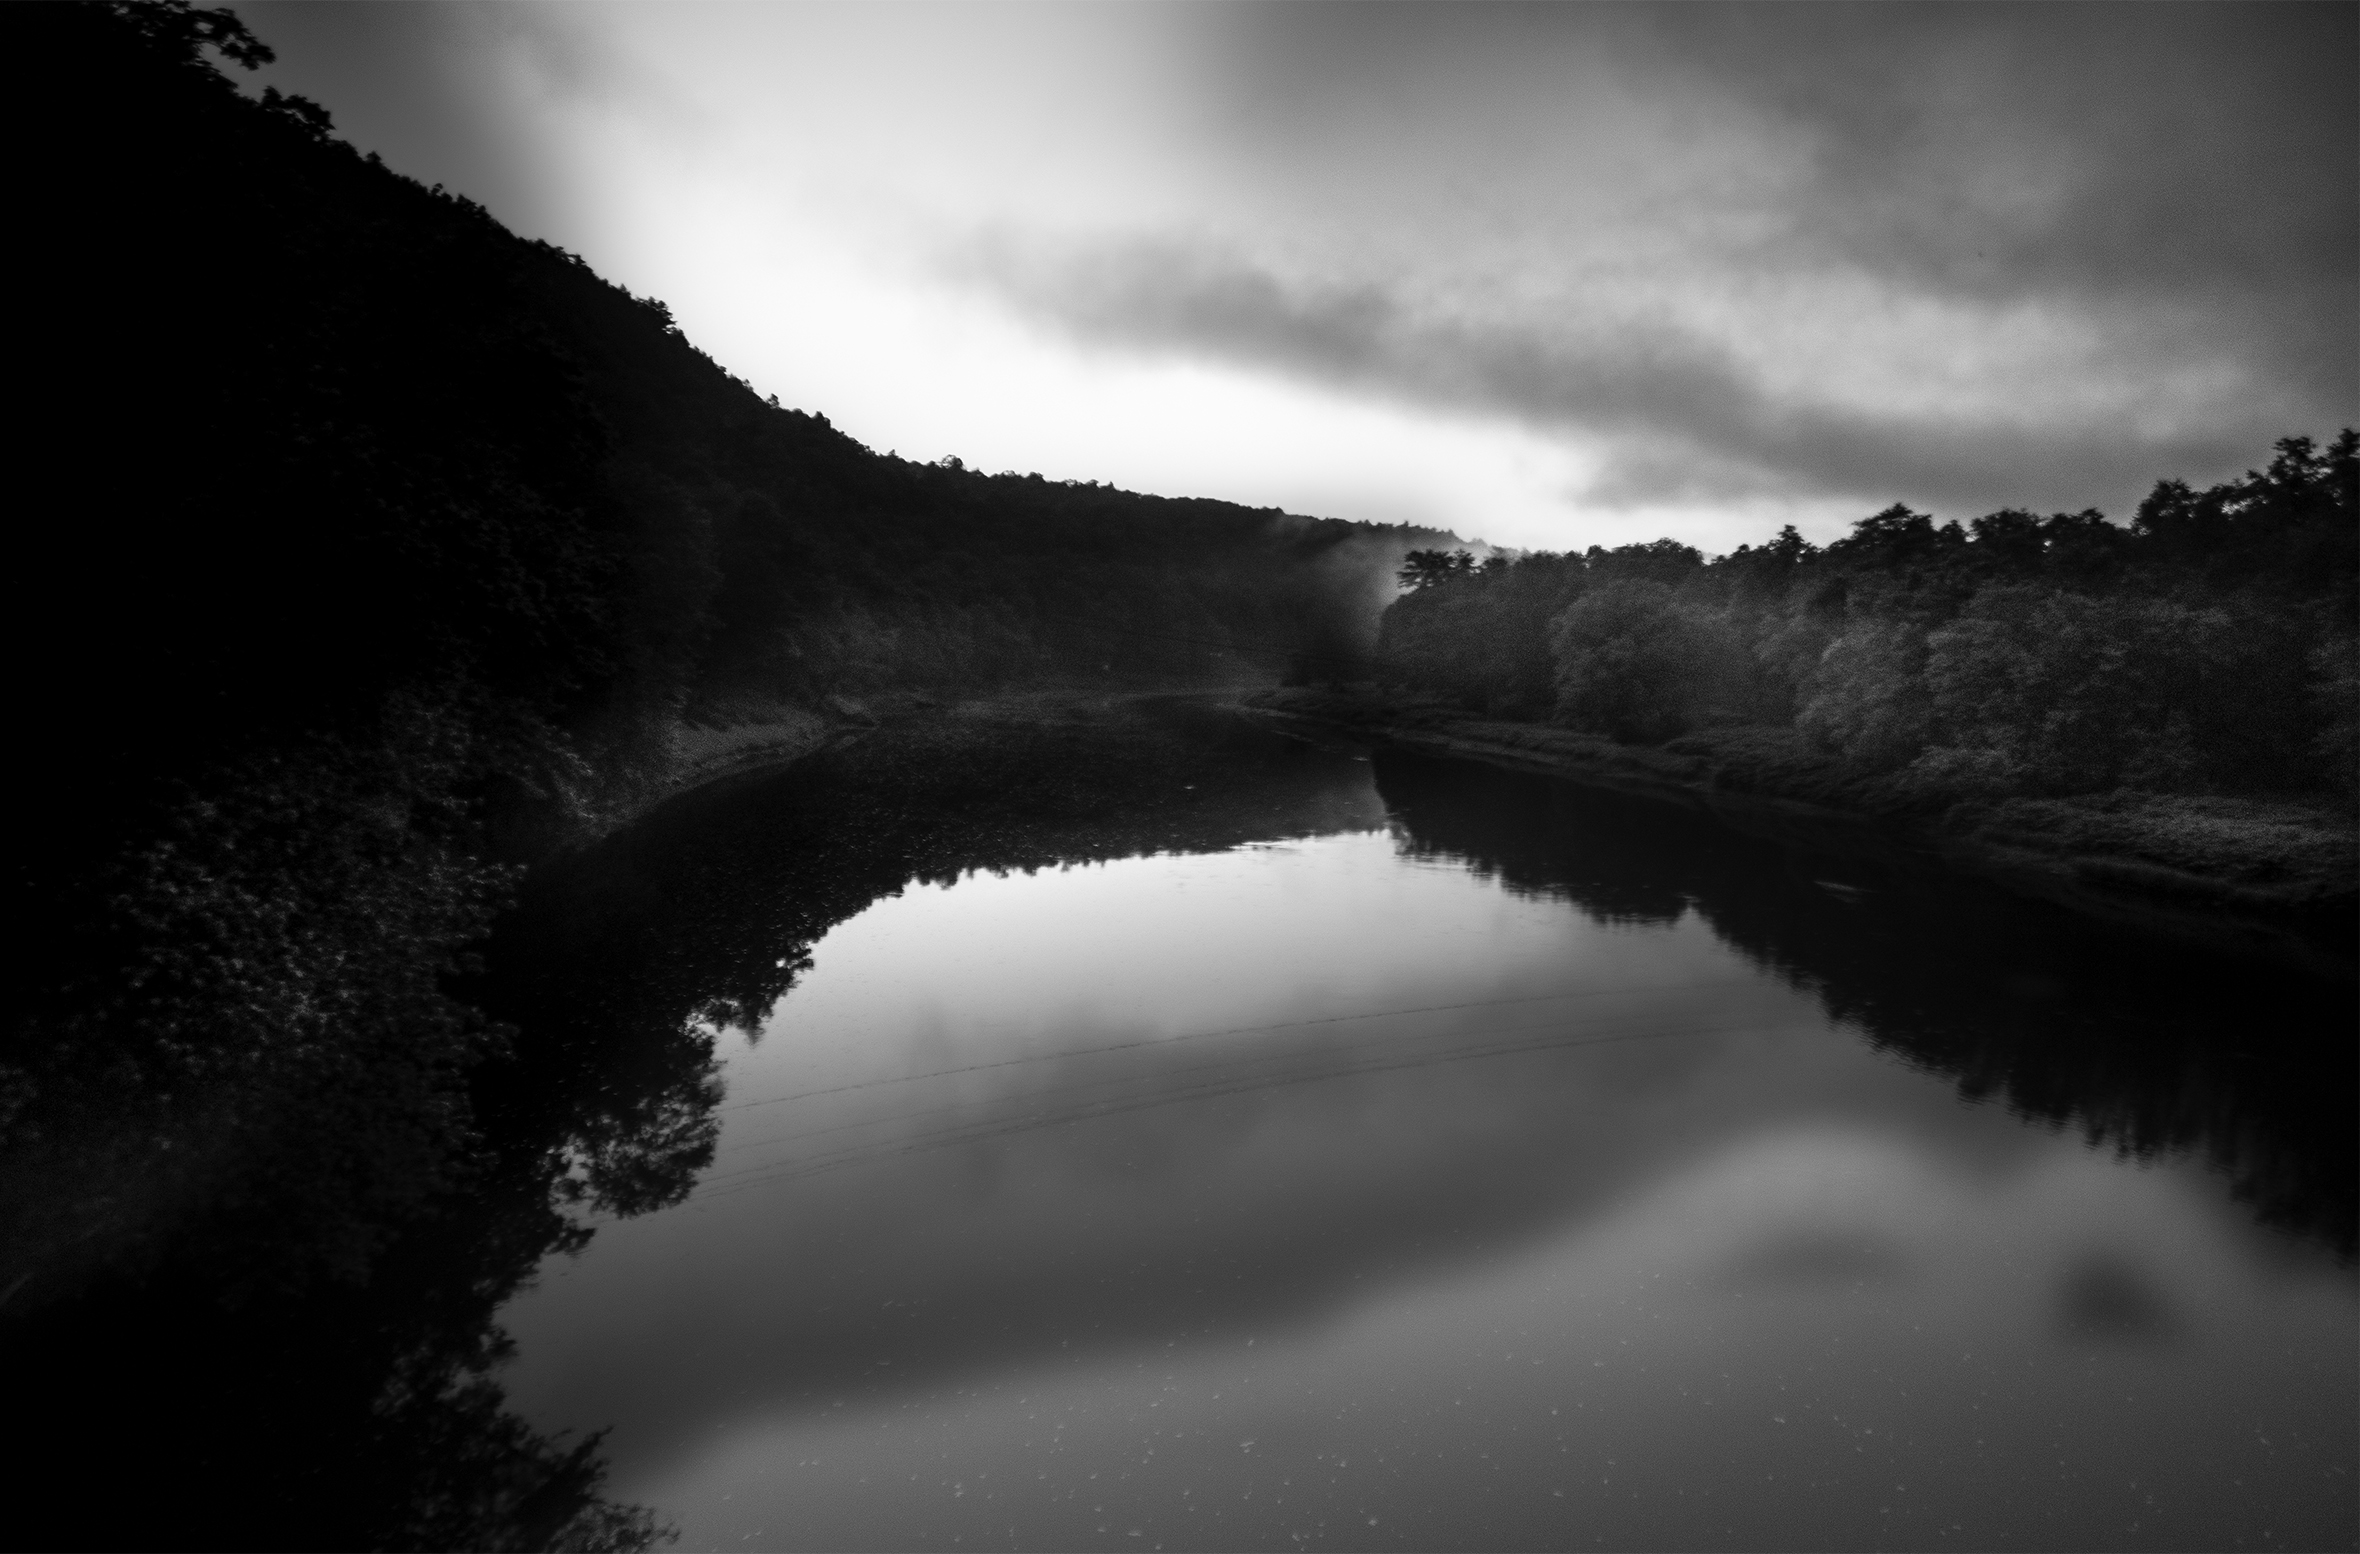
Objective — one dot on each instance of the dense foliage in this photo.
(380, 553)
(368, 555)
(2206, 647)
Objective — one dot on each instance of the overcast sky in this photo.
(1551, 276)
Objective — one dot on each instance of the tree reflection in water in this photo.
(2145, 1045)
(244, 1411)
(361, 1414)
(231, 1410)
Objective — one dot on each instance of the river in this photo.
(1271, 1146)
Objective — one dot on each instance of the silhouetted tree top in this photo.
(1430, 568)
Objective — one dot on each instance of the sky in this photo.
(1549, 276)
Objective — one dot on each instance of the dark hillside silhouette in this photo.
(369, 555)
(377, 551)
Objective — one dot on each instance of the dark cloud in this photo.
(2176, 149)
(2202, 161)
(1993, 149)
(2176, 187)
(1687, 417)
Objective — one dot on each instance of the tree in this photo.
(1428, 568)
(1635, 663)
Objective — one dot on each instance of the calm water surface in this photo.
(1476, 1162)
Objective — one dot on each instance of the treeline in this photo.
(2208, 646)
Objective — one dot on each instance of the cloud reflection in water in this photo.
(1224, 1173)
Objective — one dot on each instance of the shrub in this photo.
(1635, 663)
(1866, 697)
(2074, 693)
(2335, 690)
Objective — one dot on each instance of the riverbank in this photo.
(2278, 877)
(748, 737)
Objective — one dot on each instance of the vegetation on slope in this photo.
(382, 552)
(371, 554)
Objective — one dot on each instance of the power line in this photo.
(1232, 1065)
(1233, 1030)
(796, 1170)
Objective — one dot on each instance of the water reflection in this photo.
(201, 1399)
(1490, 1163)
(1334, 1191)
(253, 1409)
(712, 901)
(2134, 1043)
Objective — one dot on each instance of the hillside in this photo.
(321, 436)
(373, 556)
(376, 551)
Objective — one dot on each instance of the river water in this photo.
(1279, 1147)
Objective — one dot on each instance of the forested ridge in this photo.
(370, 556)
(381, 552)
(2205, 649)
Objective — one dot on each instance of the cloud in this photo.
(1720, 265)
(1682, 412)
(2196, 164)
(1964, 257)
(1992, 149)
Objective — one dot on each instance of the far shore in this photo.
(2274, 877)
(759, 736)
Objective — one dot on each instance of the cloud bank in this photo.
(1682, 413)
(1552, 274)
(1965, 257)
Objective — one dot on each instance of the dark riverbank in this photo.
(110, 1161)
(293, 1286)
(2243, 873)
(750, 737)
